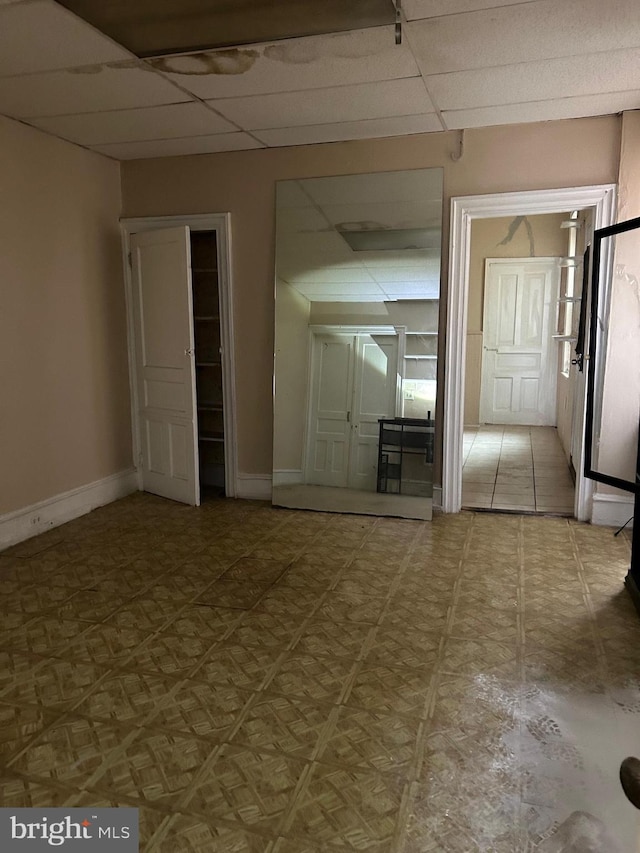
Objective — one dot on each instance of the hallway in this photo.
(516, 468)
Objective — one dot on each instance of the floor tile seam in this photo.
(44, 782)
(42, 663)
(349, 703)
(356, 551)
(152, 846)
(325, 734)
(124, 661)
(455, 598)
(393, 591)
(56, 720)
(6, 646)
(107, 759)
(287, 646)
(586, 594)
(402, 816)
(182, 804)
(158, 835)
(180, 801)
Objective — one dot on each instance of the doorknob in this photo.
(188, 352)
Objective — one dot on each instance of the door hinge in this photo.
(130, 260)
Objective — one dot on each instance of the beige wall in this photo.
(499, 159)
(503, 237)
(65, 391)
(292, 371)
(621, 398)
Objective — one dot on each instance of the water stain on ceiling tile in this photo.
(235, 61)
(161, 27)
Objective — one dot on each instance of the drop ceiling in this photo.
(281, 75)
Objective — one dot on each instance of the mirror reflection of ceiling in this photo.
(361, 238)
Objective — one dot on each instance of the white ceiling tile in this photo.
(562, 108)
(367, 129)
(411, 289)
(292, 64)
(597, 73)
(290, 194)
(90, 89)
(178, 147)
(416, 9)
(312, 251)
(378, 188)
(165, 122)
(336, 276)
(296, 220)
(42, 36)
(419, 258)
(529, 31)
(390, 275)
(380, 216)
(349, 292)
(342, 103)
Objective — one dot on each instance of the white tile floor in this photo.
(518, 468)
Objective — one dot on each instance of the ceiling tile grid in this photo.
(42, 36)
(169, 121)
(461, 63)
(315, 62)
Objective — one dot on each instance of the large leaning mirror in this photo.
(356, 342)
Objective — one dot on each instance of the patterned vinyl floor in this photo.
(256, 680)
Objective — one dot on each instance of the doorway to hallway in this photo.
(516, 469)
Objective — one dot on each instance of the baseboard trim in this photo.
(611, 510)
(24, 523)
(437, 497)
(287, 477)
(254, 487)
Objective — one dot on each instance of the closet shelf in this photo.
(208, 364)
(210, 407)
(210, 318)
(211, 436)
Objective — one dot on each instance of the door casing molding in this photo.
(464, 209)
(221, 224)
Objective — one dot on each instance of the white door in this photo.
(330, 415)
(519, 362)
(354, 383)
(374, 397)
(164, 352)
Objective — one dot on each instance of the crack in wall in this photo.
(511, 232)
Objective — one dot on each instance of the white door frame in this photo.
(221, 224)
(464, 209)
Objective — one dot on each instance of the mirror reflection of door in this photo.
(354, 384)
(357, 290)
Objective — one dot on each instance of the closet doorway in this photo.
(181, 355)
